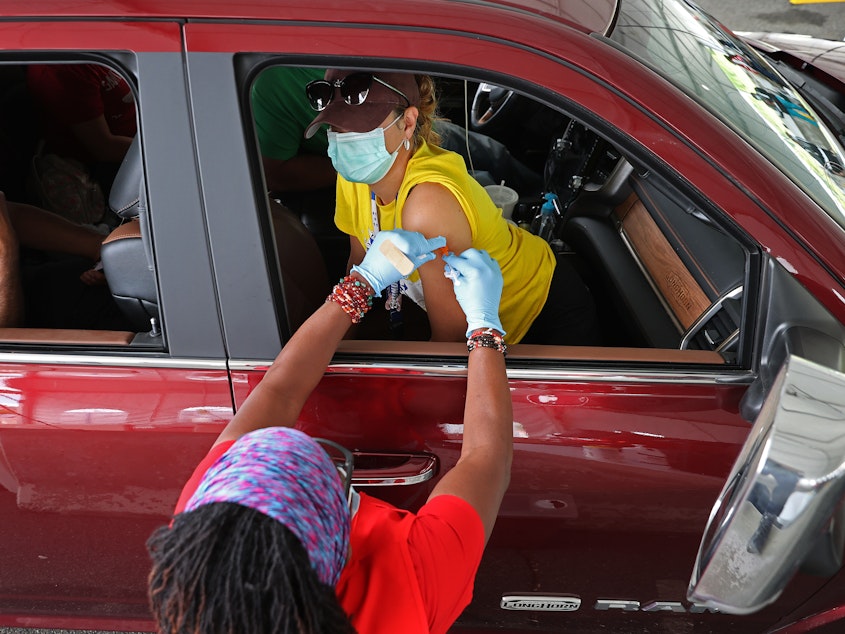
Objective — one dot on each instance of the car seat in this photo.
(128, 264)
(126, 254)
(305, 282)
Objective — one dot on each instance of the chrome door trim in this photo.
(418, 469)
(34, 358)
(526, 374)
(399, 369)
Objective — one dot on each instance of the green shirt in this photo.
(281, 112)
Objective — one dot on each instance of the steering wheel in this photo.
(490, 106)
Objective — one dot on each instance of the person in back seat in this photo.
(11, 291)
(53, 285)
(87, 113)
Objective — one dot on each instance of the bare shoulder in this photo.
(432, 209)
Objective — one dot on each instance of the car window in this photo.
(740, 87)
(664, 272)
(77, 265)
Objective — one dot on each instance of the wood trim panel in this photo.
(678, 287)
(66, 336)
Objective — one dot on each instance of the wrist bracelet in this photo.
(486, 338)
(486, 331)
(353, 296)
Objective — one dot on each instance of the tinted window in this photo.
(72, 213)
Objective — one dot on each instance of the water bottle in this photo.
(545, 221)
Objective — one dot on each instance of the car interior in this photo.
(667, 274)
(664, 275)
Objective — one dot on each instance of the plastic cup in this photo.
(504, 198)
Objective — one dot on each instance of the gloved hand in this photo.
(376, 267)
(478, 286)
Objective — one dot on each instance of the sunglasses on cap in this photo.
(354, 89)
(344, 462)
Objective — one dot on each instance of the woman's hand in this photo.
(377, 268)
(477, 280)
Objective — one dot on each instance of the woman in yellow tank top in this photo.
(392, 175)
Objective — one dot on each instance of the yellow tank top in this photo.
(527, 262)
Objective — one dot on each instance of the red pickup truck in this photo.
(685, 476)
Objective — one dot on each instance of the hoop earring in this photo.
(407, 145)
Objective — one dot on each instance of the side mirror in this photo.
(783, 489)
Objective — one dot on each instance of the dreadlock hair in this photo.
(224, 568)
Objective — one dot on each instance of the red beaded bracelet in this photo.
(486, 338)
(353, 296)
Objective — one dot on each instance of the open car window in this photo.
(78, 270)
(668, 276)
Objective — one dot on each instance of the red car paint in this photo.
(614, 473)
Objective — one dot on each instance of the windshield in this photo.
(735, 83)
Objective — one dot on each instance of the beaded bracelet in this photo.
(486, 338)
(353, 296)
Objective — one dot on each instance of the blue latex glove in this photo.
(378, 270)
(478, 286)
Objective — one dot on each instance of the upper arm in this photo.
(432, 210)
(446, 543)
(479, 479)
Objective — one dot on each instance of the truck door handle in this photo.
(392, 469)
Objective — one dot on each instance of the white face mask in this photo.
(361, 157)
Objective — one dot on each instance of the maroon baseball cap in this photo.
(380, 101)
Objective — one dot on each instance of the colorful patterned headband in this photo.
(284, 474)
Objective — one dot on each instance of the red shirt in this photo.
(70, 94)
(409, 573)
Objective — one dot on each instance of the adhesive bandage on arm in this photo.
(395, 256)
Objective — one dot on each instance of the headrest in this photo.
(126, 189)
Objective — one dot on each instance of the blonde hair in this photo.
(427, 112)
